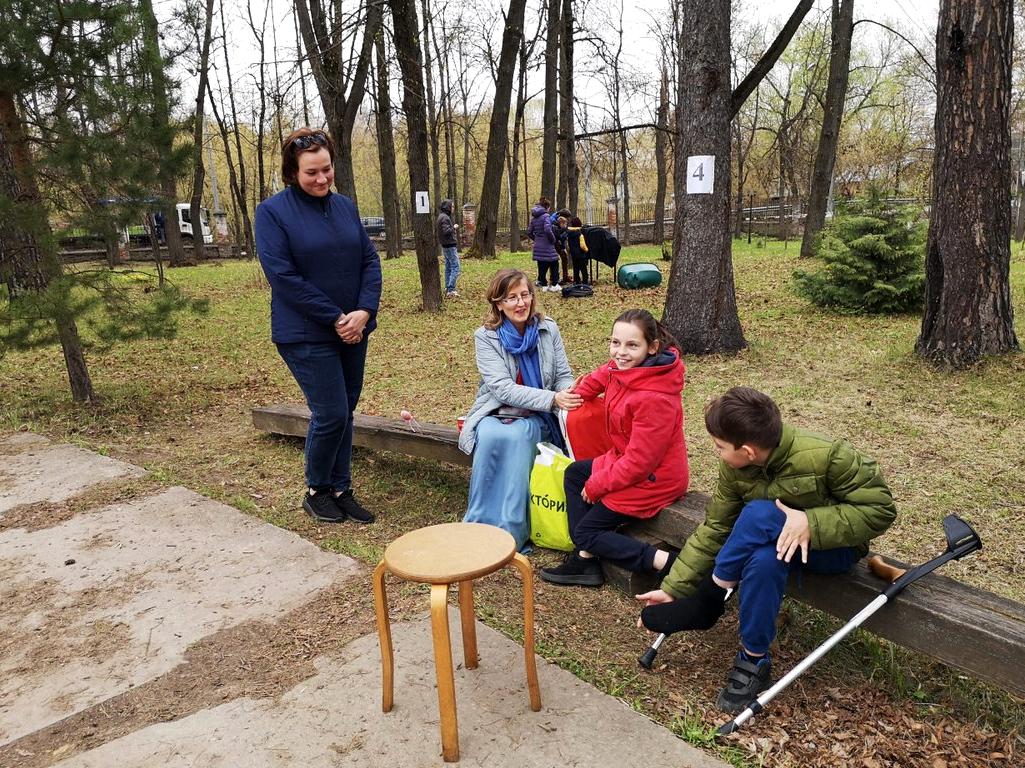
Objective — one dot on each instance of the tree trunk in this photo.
(199, 176)
(386, 155)
(701, 304)
(433, 121)
(769, 58)
(28, 255)
(661, 170)
(567, 193)
(832, 114)
(239, 184)
(514, 155)
(968, 310)
(626, 185)
(407, 50)
(243, 229)
(326, 52)
(498, 133)
(551, 127)
(164, 131)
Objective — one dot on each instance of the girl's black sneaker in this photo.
(575, 571)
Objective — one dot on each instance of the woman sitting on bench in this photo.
(524, 378)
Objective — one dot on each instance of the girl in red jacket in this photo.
(646, 467)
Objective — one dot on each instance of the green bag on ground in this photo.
(549, 525)
(640, 275)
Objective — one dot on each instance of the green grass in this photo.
(948, 442)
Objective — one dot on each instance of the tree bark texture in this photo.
(661, 168)
(199, 173)
(566, 195)
(701, 304)
(498, 133)
(326, 40)
(164, 132)
(386, 155)
(407, 50)
(26, 265)
(832, 114)
(551, 126)
(968, 310)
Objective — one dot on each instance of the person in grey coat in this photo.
(525, 378)
(449, 242)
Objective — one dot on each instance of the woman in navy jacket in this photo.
(325, 279)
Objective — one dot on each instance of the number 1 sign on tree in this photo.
(700, 174)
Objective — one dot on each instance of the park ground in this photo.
(948, 442)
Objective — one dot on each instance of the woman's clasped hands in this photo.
(349, 325)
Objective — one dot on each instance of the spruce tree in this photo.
(874, 259)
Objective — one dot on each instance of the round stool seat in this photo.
(450, 552)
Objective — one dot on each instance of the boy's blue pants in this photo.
(749, 555)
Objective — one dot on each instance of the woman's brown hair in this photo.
(298, 141)
(503, 280)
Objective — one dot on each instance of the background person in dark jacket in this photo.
(543, 237)
(325, 279)
(449, 243)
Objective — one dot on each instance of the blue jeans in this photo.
(452, 269)
(330, 375)
(749, 555)
(500, 478)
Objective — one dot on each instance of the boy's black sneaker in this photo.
(575, 571)
(321, 506)
(744, 682)
(349, 507)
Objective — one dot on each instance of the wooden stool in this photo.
(441, 555)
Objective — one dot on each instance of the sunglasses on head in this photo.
(305, 142)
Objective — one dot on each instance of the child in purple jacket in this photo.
(541, 234)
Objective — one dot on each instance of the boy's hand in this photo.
(654, 597)
(796, 534)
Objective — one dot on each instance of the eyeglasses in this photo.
(514, 300)
(303, 143)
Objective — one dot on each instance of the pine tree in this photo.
(69, 132)
(874, 260)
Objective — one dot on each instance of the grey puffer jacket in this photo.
(498, 371)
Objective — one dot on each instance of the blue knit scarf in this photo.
(524, 349)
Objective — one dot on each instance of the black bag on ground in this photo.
(577, 291)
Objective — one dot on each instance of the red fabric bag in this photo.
(586, 431)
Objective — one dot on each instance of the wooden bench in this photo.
(963, 626)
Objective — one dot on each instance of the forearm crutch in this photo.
(961, 541)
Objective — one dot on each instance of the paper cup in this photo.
(459, 423)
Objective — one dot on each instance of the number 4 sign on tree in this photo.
(700, 174)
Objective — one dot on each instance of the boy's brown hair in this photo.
(745, 416)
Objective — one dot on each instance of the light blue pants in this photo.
(500, 479)
(452, 268)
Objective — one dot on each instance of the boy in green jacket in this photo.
(781, 491)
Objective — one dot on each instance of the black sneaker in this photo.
(320, 506)
(744, 682)
(349, 507)
(576, 571)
